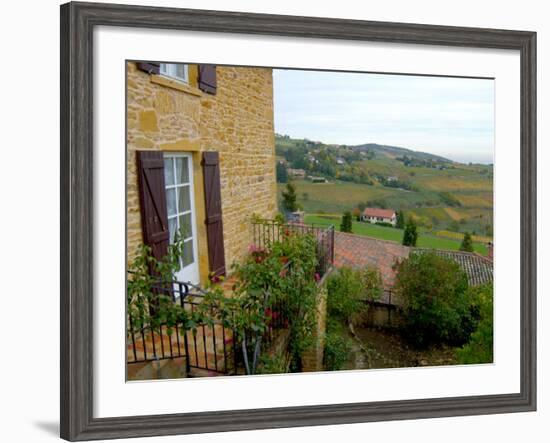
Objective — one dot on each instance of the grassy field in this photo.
(424, 205)
(425, 240)
(337, 196)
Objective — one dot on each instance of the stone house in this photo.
(200, 157)
(377, 215)
(297, 173)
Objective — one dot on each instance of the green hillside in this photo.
(425, 238)
(440, 194)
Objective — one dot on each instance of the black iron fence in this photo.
(209, 349)
(266, 232)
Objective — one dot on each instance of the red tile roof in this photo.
(358, 251)
(377, 212)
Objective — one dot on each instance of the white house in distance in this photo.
(377, 215)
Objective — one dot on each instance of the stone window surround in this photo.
(175, 84)
(165, 69)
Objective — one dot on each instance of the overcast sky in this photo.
(452, 117)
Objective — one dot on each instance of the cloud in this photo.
(446, 116)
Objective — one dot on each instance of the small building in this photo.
(377, 215)
(340, 161)
(317, 179)
(296, 173)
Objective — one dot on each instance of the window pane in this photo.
(187, 255)
(168, 171)
(180, 71)
(182, 170)
(185, 224)
(172, 226)
(171, 201)
(184, 202)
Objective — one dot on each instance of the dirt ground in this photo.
(375, 348)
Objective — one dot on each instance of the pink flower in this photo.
(317, 276)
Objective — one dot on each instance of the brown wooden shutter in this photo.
(154, 217)
(207, 78)
(149, 67)
(214, 224)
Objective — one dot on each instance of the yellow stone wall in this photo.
(312, 358)
(237, 122)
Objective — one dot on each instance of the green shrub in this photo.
(348, 289)
(410, 235)
(479, 349)
(400, 222)
(467, 244)
(282, 173)
(436, 308)
(289, 198)
(346, 225)
(273, 364)
(337, 351)
(281, 274)
(344, 293)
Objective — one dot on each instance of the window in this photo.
(177, 71)
(178, 176)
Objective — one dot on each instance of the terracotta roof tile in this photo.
(478, 268)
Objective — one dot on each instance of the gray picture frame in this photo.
(77, 23)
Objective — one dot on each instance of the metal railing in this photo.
(266, 232)
(209, 347)
(212, 347)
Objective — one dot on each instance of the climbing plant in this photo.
(276, 280)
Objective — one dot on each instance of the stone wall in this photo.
(237, 122)
(312, 360)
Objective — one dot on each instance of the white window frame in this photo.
(169, 70)
(192, 209)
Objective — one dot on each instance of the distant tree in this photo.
(467, 244)
(400, 222)
(289, 198)
(282, 173)
(489, 229)
(361, 206)
(410, 235)
(345, 226)
(357, 214)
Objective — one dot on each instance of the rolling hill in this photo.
(395, 151)
(440, 194)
